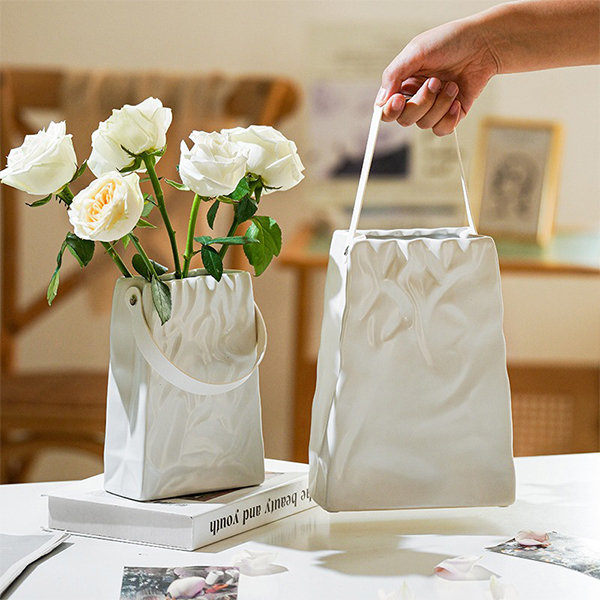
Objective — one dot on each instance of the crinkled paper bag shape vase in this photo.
(162, 439)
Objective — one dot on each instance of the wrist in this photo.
(485, 27)
(485, 42)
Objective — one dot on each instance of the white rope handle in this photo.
(366, 168)
(175, 376)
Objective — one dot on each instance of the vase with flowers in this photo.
(183, 405)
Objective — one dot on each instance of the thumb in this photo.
(406, 64)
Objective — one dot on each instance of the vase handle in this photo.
(175, 376)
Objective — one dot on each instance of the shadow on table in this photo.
(382, 561)
(369, 546)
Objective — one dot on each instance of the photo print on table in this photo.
(162, 583)
(578, 554)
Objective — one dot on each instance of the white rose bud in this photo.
(139, 128)
(213, 166)
(108, 208)
(270, 155)
(44, 163)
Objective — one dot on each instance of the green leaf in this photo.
(40, 202)
(125, 239)
(177, 186)
(212, 213)
(144, 223)
(158, 152)
(202, 239)
(82, 250)
(245, 209)
(53, 287)
(225, 199)
(148, 206)
(242, 189)
(129, 152)
(266, 231)
(160, 269)
(213, 263)
(161, 298)
(79, 172)
(134, 166)
(139, 264)
(257, 193)
(237, 240)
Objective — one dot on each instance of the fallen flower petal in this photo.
(532, 538)
(257, 563)
(462, 568)
(404, 594)
(502, 591)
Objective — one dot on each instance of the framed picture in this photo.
(515, 178)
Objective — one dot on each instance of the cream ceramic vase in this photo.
(183, 404)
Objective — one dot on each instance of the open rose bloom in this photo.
(108, 208)
(44, 163)
(139, 128)
(270, 155)
(213, 166)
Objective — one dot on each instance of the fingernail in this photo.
(398, 102)
(434, 84)
(451, 88)
(380, 96)
(454, 108)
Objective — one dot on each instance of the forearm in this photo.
(541, 34)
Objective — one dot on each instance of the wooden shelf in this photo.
(576, 253)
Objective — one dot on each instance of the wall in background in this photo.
(268, 37)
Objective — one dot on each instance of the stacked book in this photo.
(185, 523)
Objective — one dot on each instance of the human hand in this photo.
(436, 78)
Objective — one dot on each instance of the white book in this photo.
(186, 523)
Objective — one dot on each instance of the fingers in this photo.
(440, 107)
(393, 108)
(447, 124)
(421, 103)
(411, 85)
(433, 106)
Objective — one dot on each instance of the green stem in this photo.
(230, 233)
(138, 246)
(67, 195)
(149, 163)
(110, 249)
(189, 245)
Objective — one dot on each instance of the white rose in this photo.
(270, 155)
(44, 163)
(108, 208)
(213, 166)
(139, 128)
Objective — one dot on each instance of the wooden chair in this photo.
(67, 408)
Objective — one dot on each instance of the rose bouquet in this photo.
(233, 166)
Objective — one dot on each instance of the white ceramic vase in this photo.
(183, 404)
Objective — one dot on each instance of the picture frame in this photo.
(515, 179)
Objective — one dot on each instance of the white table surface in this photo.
(347, 555)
